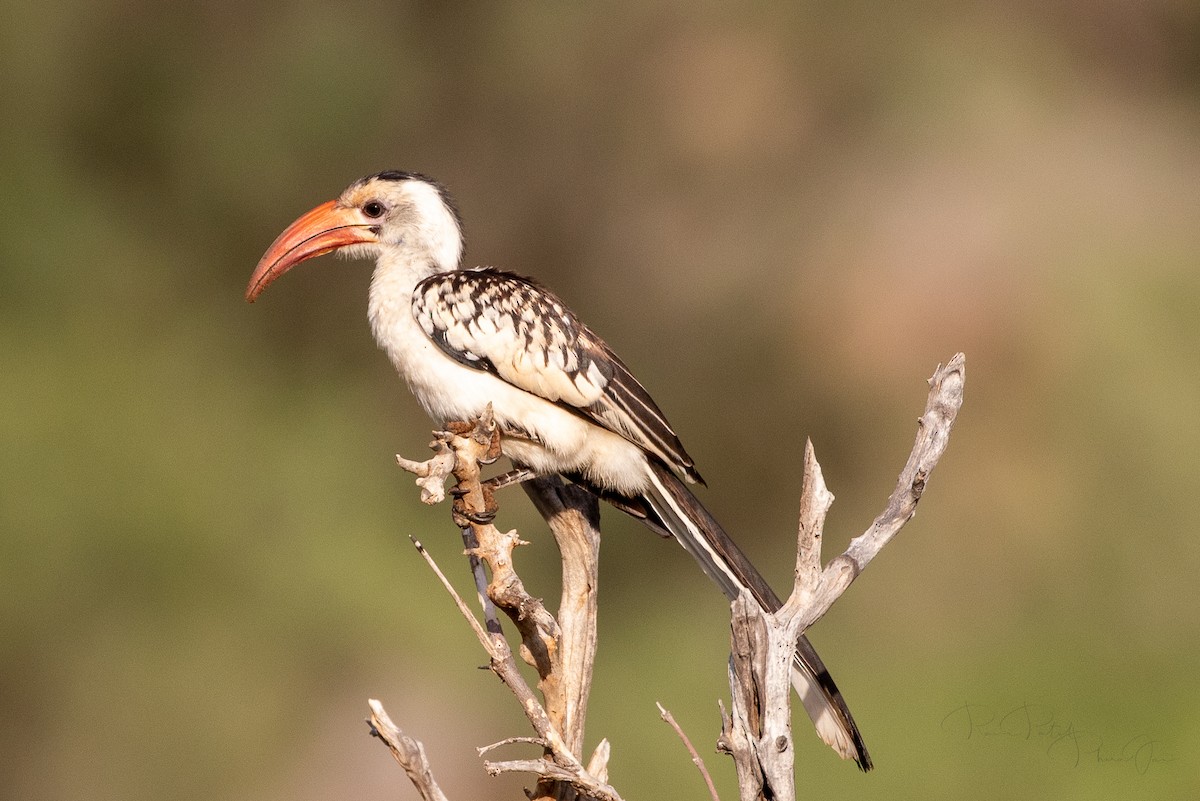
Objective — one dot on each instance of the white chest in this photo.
(558, 440)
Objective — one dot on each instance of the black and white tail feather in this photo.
(682, 514)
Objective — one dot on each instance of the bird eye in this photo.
(373, 209)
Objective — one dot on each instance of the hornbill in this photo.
(563, 401)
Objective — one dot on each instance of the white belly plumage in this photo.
(542, 436)
(546, 437)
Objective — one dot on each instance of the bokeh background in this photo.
(784, 216)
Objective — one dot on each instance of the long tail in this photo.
(680, 513)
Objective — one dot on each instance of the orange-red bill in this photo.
(322, 230)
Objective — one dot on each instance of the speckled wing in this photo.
(521, 332)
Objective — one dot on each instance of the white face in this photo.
(410, 214)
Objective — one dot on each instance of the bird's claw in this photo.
(464, 515)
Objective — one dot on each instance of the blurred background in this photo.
(782, 216)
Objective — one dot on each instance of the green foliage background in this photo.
(783, 216)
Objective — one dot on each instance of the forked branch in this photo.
(757, 732)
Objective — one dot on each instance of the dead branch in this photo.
(408, 752)
(687, 743)
(757, 732)
(561, 653)
(933, 435)
(574, 518)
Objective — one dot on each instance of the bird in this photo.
(466, 338)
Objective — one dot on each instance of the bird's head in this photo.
(392, 214)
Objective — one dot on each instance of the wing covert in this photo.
(512, 327)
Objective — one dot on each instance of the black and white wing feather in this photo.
(516, 329)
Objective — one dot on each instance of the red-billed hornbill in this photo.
(564, 402)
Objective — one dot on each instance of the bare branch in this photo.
(431, 478)
(587, 789)
(483, 749)
(408, 752)
(433, 472)
(505, 667)
(573, 515)
(484, 639)
(598, 764)
(815, 500)
(563, 660)
(757, 732)
(742, 726)
(696, 760)
(933, 435)
(471, 547)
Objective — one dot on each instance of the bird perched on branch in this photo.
(564, 402)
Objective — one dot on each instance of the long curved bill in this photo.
(322, 230)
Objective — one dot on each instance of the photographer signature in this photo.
(1063, 740)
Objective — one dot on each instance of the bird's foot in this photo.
(464, 512)
(482, 430)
